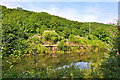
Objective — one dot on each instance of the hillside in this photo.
(18, 25)
(41, 45)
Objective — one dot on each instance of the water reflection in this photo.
(80, 65)
(61, 61)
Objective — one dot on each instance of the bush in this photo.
(51, 36)
(61, 45)
(33, 46)
(75, 38)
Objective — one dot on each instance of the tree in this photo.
(38, 30)
(43, 28)
(50, 35)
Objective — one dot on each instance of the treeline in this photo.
(18, 25)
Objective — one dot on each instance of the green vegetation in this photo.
(24, 33)
(51, 36)
(18, 25)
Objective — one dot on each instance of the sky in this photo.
(81, 11)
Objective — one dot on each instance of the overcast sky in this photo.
(99, 11)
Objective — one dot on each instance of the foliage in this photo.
(62, 45)
(19, 24)
(116, 42)
(74, 39)
(19, 27)
(51, 36)
(34, 46)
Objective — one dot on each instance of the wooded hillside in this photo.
(18, 25)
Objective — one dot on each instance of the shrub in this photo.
(75, 38)
(51, 36)
(61, 45)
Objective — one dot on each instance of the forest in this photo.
(25, 33)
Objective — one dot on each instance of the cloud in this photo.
(68, 13)
(91, 14)
(93, 10)
(72, 14)
(10, 4)
(88, 18)
(111, 20)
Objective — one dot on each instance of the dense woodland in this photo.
(19, 26)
